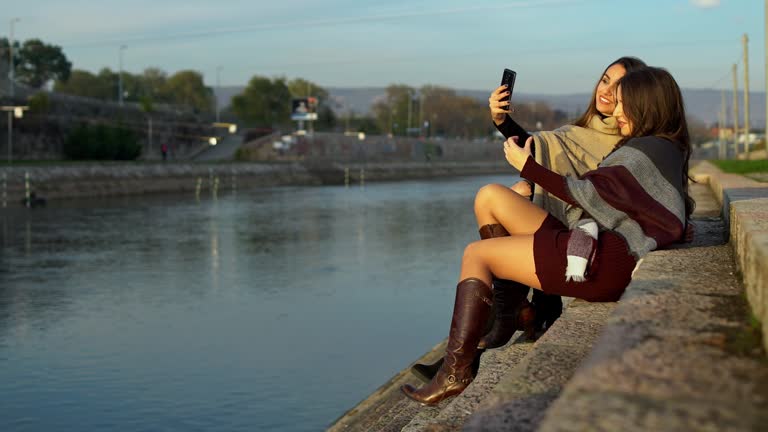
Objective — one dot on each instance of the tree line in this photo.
(153, 86)
(266, 102)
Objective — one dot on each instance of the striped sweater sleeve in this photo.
(550, 181)
(636, 191)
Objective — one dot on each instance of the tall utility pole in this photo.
(735, 112)
(311, 124)
(120, 75)
(766, 74)
(410, 110)
(723, 149)
(11, 66)
(218, 90)
(421, 111)
(744, 41)
(12, 89)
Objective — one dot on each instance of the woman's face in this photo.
(605, 98)
(625, 126)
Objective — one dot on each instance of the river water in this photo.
(269, 309)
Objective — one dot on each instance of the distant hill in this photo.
(700, 103)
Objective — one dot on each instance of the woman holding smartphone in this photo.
(649, 164)
(569, 150)
(572, 149)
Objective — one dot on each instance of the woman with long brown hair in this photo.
(635, 201)
(572, 149)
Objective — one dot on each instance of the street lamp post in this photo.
(13, 111)
(10, 59)
(120, 75)
(10, 137)
(11, 88)
(218, 90)
(408, 122)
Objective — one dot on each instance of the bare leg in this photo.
(504, 257)
(497, 204)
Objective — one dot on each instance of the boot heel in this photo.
(527, 321)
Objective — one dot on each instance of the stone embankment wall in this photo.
(106, 179)
(337, 147)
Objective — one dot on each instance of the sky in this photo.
(556, 46)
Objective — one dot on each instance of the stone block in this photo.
(749, 239)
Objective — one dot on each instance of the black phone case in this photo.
(508, 78)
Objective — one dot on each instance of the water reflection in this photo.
(270, 309)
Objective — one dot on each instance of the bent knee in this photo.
(472, 250)
(486, 195)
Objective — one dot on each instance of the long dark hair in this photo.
(655, 107)
(630, 64)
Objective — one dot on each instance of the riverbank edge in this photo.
(77, 180)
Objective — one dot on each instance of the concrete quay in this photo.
(681, 350)
(90, 179)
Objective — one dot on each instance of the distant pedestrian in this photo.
(164, 151)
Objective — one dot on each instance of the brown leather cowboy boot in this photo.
(512, 310)
(509, 314)
(470, 310)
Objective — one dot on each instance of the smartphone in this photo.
(508, 78)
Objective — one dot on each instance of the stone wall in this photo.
(114, 178)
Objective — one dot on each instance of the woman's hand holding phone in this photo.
(498, 103)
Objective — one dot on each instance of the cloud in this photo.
(705, 4)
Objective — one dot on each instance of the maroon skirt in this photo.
(608, 276)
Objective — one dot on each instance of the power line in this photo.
(327, 22)
(476, 53)
(728, 74)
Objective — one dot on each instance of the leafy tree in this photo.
(365, 124)
(4, 51)
(392, 112)
(183, 88)
(40, 63)
(299, 87)
(39, 103)
(326, 118)
(147, 105)
(187, 88)
(264, 102)
(84, 83)
(154, 82)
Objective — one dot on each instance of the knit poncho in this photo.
(567, 150)
(637, 192)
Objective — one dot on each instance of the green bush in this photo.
(102, 142)
(39, 103)
(742, 166)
